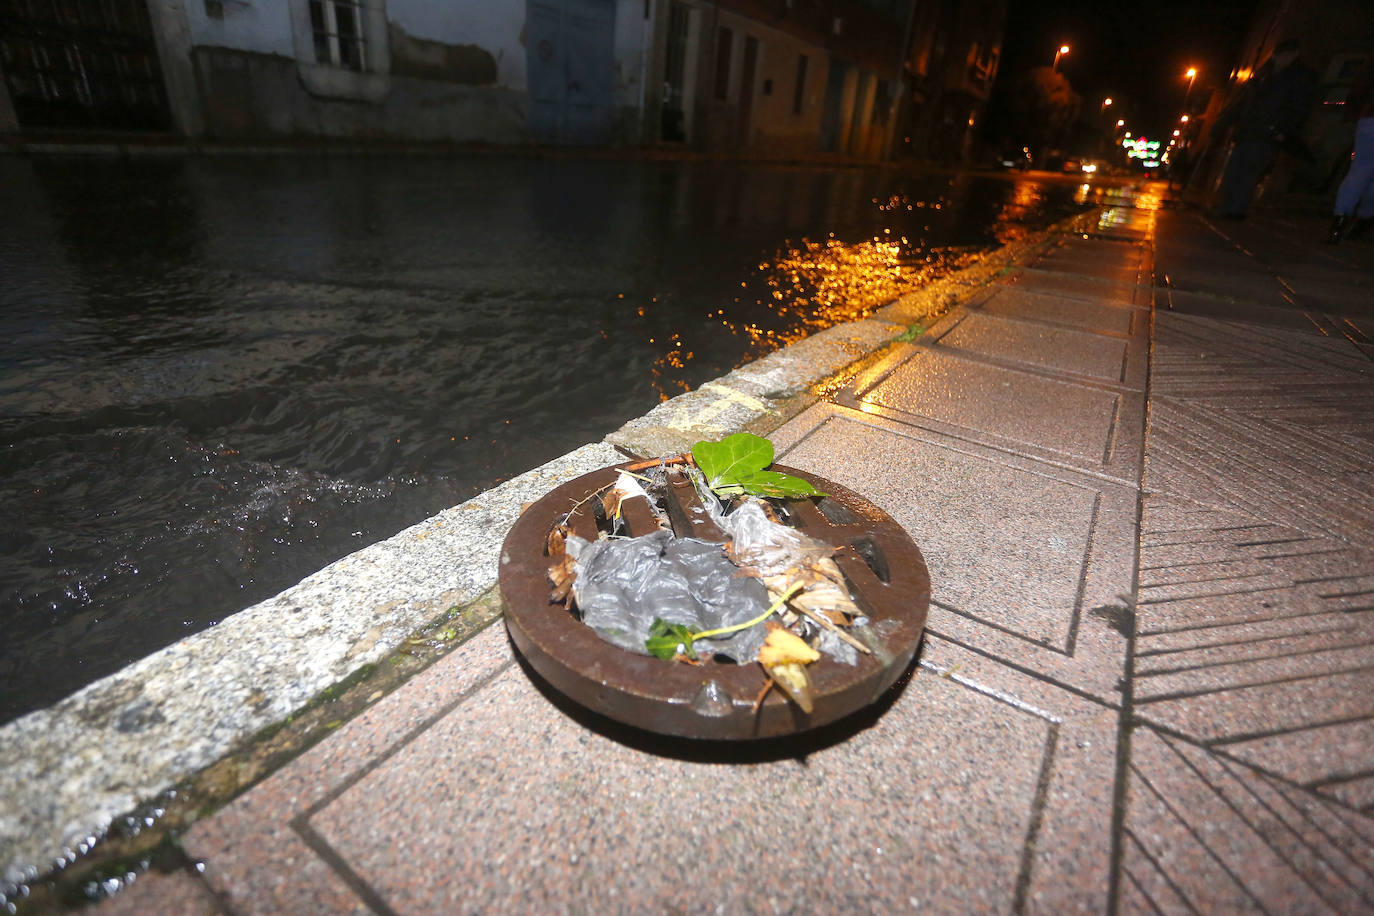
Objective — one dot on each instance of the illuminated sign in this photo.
(1147, 151)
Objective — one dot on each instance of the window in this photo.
(723, 40)
(341, 48)
(799, 92)
(337, 28)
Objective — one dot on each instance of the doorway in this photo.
(571, 70)
(832, 115)
(674, 126)
(748, 70)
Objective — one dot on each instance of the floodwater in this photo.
(217, 376)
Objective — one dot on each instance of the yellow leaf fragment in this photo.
(782, 646)
(785, 655)
(791, 677)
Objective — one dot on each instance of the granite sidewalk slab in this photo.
(1251, 783)
(1145, 686)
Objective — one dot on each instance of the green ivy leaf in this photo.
(733, 457)
(778, 485)
(667, 639)
(735, 465)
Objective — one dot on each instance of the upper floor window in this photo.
(337, 27)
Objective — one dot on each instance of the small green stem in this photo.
(772, 609)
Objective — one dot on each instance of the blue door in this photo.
(570, 49)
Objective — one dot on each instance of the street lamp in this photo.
(1120, 123)
(1063, 49)
(1106, 103)
(1191, 74)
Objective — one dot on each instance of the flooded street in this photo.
(216, 376)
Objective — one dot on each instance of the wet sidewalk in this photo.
(1141, 471)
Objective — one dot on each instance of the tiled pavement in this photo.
(1252, 757)
(1147, 684)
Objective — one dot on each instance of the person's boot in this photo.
(1338, 224)
(1360, 227)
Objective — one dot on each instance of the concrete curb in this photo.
(66, 772)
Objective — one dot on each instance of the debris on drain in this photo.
(769, 593)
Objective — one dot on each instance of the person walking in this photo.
(1264, 117)
(1354, 209)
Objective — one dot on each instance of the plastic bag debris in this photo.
(623, 584)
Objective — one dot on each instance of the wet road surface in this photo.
(217, 376)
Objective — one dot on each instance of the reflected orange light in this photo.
(816, 285)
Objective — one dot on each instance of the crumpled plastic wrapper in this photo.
(623, 584)
(764, 544)
(773, 549)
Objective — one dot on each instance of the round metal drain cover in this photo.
(885, 571)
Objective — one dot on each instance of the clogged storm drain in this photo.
(647, 599)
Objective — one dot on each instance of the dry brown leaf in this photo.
(610, 503)
(561, 571)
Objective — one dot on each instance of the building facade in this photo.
(542, 71)
(775, 77)
(951, 67)
(754, 77)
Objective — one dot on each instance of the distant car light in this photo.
(1090, 167)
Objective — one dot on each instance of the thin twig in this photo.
(758, 700)
(832, 627)
(685, 458)
(578, 505)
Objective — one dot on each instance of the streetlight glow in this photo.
(1184, 119)
(1063, 49)
(1120, 123)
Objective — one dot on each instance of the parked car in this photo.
(1017, 159)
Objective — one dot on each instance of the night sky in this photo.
(1136, 54)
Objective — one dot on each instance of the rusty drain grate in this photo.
(885, 571)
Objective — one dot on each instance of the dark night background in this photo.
(1134, 54)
